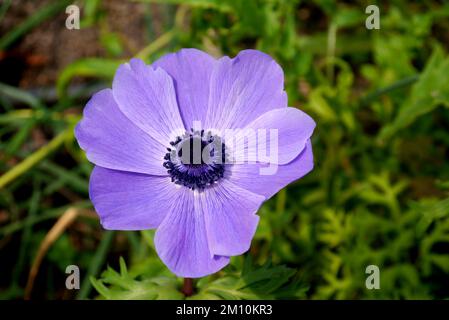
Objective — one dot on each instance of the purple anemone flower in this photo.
(136, 132)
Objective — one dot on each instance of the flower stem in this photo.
(187, 287)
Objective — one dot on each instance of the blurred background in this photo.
(379, 193)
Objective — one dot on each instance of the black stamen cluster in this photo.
(184, 172)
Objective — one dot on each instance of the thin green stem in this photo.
(331, 44)
(396, 85)
(96, 264)
(33, 159)
(160, 42)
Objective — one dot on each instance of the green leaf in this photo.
(20, 96)
(112, 43)
(32, 21)
(429, 92)
(124, 286)
(207, 4)
(96, 263)
(90, 12)
(265, 282)
(89, 67)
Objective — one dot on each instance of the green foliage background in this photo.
(379, 193)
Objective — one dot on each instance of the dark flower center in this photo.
(196, 160)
